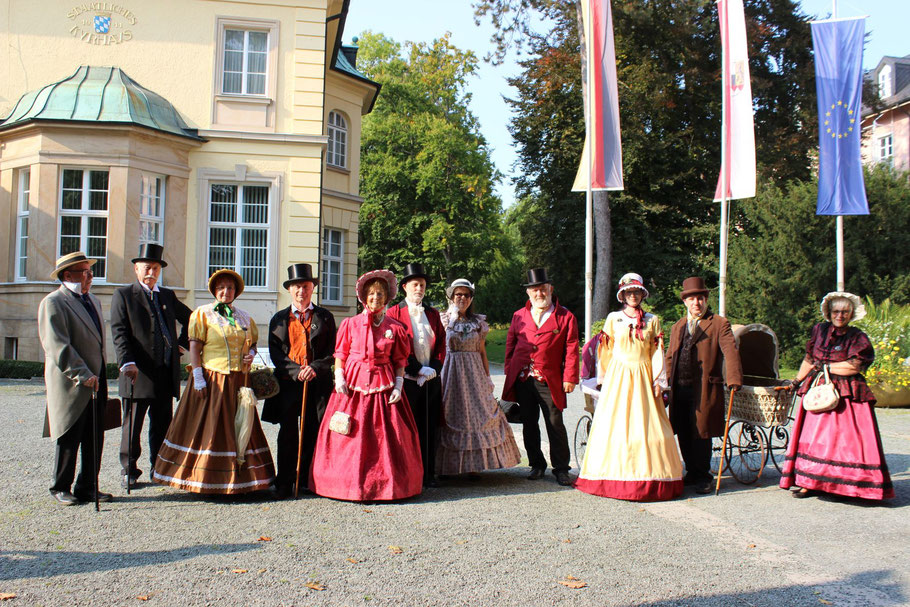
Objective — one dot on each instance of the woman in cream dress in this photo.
(631, 452)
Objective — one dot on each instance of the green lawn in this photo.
(496, 346)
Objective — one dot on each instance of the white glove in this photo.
(421, 380)
(428, 372)
(395, 396)
(340, 386)
(198, 379)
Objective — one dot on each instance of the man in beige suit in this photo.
(72, 334)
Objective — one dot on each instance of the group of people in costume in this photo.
(399, 397)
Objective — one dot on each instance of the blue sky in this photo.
(398, 19)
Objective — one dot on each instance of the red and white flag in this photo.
(603, 106)
(738, 162)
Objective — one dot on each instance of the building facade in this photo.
(886, 128)
(227, 131)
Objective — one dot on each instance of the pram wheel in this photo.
(582, 430)
(746, 452)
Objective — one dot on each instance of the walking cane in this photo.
(129, 448)
(723, 450)
(300, 437)
(95, 457)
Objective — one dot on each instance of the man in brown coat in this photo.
(702, 348)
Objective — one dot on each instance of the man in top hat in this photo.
(144, 317)
(71, 328)
(541, 368)
(422, 385)
(702, 347)
(302, 346)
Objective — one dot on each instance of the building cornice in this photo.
(342, 195)
(264, 137)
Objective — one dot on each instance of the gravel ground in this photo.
(500, 540)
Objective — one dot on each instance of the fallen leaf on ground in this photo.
(751, 546)
(824, 602)
(367, 510)
(567, 541)
(461, 542)
(572, 582)
(238, 570)
(262, 570)
(395, 549)
(264, 538)
(5, 596)
(352, 560)
(143, 597)
(314, 586)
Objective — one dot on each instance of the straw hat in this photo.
(859, 310)
(459, 282)
(387, 275)
(225, 272)
(631, 281)
(71, 259)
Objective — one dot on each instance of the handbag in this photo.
(821, 397)
(243, 420)
(511, 410)
(111, 417)
(340, 422)
(263, 381)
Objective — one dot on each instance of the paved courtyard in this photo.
(502, 540)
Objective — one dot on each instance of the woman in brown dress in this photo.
(199, 453)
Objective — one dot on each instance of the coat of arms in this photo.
(102, 23)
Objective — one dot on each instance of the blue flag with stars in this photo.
(838, 45)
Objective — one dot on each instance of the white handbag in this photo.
(340, 422)
(821, 397)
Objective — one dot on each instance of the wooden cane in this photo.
(95, 457)
(129, 449)
(300, 438)
(723, 450)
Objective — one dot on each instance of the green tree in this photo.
(426, 174)
(782, 257)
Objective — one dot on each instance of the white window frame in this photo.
(327, 276)
(269, 27)
(884, 82)
(245, 72)
(337, 131)
(146, 196)
(85, 214)
(239, 227)
(22, 212)
(886, 148)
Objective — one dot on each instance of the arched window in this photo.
(338, 140)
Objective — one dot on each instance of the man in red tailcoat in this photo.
(541, 368)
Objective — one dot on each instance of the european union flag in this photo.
(838, 47)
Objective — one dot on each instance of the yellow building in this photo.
(226, 130)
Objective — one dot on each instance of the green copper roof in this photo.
(99, 94)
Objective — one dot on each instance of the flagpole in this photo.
(589, 198)
(839, 219)
(724, 168)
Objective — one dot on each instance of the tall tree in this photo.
(668, 65)
(426, 174)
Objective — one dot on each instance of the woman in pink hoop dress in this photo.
(368, 448)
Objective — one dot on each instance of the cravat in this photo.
(226, 311)
(161, 332)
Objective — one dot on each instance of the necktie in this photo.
(91, 310)
(226, 311)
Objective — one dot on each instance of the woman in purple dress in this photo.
(838, 451)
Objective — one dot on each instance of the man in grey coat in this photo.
(71, 328)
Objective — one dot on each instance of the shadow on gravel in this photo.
(492, 482)
(23, 564)
(860, 590)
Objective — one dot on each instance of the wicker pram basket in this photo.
(757, 402)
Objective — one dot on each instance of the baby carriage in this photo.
(761, 408)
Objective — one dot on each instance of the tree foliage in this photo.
(426, 175)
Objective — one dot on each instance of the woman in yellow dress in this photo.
(199, 453)
(631, 452)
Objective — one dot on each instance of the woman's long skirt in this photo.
(199, 453)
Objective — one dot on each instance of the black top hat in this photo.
(537, 276)
(150, 252)
(413, 270)
(300, 272)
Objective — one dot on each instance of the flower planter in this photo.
(886, 396)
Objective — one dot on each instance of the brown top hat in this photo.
(411, 271)
(150, 252)
(300, 272)
(694, 285)
(71, 259)
(537, 276)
